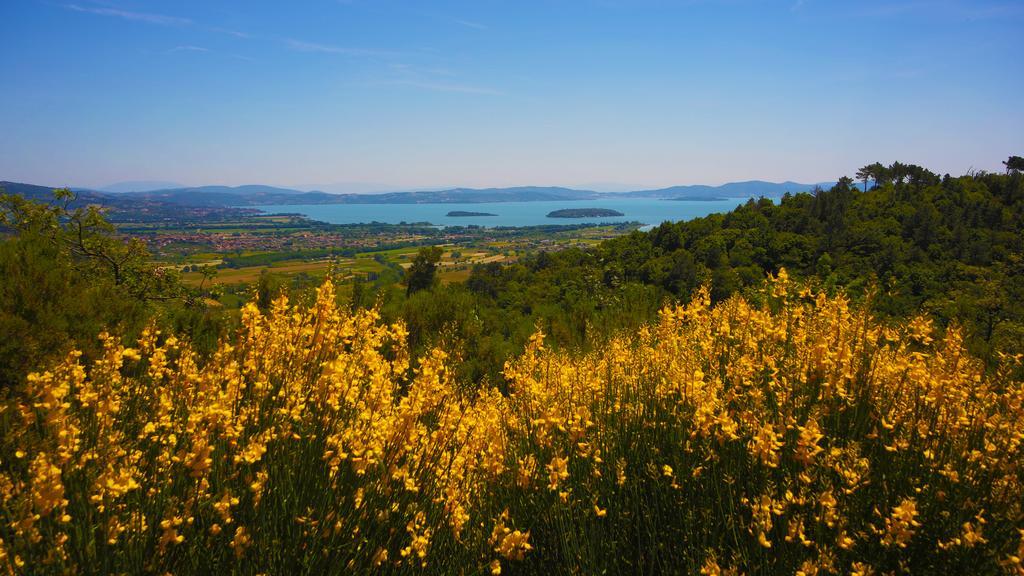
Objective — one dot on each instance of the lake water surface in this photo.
(646, 210)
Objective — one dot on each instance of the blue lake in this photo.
(646, 210)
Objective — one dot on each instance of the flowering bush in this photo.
(794, 434)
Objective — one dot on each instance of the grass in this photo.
(364, 263)
(458, 275)
(249, 274)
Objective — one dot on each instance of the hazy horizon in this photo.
(354, 188)
(630, 95)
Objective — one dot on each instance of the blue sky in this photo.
(371, 95)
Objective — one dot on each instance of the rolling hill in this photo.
(208, 197)
(254, 195)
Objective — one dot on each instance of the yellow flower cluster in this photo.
(788, 432)
(791, 418)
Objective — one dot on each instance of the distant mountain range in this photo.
(45, 194)
(731, 190)
(132, 207)
(255, 194)
(248, 195)
(139, 186)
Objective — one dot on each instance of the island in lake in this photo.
(463, 213)
(584, 213)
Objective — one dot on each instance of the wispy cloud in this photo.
(471, 24)
(147, 17)
(151, 18)
(444, 87)
(202, 50)
(409, 70)
(230, 32)
(302, 46)
(431, 78)
(187, 49)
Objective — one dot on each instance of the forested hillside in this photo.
(832, 384)
(912, 242)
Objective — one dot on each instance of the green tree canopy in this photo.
(66, 277)
(423, 272)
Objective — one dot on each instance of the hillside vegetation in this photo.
(788, 434)
(912, 243)
(828, 385)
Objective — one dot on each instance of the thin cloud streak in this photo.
(412, 72)
(151, 18)
(202, 50)
(187, 49)
(160, 19)
(303, 46)
(444, 87)
(471, 24)
(230, 32)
